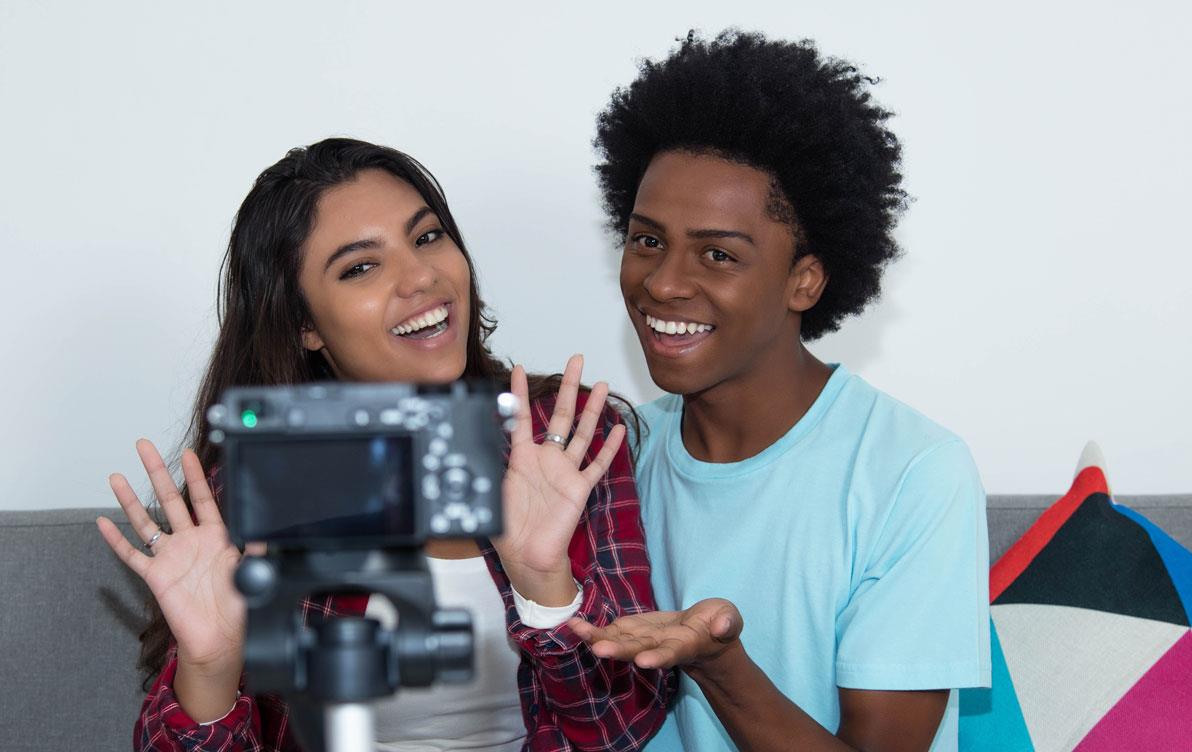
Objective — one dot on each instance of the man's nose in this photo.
(670, 279)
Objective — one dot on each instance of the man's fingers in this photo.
(725, 627)
(661, 657)
(134, 559)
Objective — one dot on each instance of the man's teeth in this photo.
(677, 327)
(430, 318)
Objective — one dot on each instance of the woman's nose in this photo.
(413, 276)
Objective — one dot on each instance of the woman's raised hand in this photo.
(189, 570)
(545, 488)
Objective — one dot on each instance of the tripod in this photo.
(330, 672)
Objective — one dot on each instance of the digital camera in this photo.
(353, 465)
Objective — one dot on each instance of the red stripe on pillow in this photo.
(1091, 480)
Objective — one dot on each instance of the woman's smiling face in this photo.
(386, 286)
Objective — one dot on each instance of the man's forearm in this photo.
(756, 715)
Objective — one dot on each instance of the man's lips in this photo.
(671, 337)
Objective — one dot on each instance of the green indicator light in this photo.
(249, 418)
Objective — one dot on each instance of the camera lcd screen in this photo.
(311, 488)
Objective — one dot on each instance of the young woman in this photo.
(345, 263)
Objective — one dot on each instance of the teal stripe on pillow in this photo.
(991, 719)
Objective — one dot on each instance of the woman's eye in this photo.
(356, 270)
(428, 237)
(717, 255)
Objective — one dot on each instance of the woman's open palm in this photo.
(188, 570)
(545, 489)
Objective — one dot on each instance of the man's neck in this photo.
(739, 418)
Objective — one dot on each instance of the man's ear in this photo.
(311, 339)
(806, 283)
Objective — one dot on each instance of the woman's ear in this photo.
(311, 339)
(806, 284)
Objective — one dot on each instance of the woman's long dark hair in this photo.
(262, 311)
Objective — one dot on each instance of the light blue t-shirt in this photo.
(855, 547)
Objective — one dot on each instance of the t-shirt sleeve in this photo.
(919, 616)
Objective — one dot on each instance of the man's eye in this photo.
(428, 237)
(356, 270)
(717, 255)
(646, 241)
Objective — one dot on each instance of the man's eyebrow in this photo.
(702, 234)
(649, 222)
(695, 234)
(346, 248)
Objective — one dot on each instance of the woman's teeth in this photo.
(677, 327)
(436, 318)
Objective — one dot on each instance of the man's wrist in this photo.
(719, 669)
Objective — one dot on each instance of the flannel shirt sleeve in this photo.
(255, 724)
(259, 723)
(599, 703)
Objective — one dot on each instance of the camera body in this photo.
(334, 466)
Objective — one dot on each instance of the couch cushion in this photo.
(70, 623)
(1091, 642)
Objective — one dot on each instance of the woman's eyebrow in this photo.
(346, 248)
(414, 219)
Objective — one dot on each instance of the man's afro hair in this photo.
(806, 120)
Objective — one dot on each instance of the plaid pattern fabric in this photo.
(570, 699)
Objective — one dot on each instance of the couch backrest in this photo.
(68, 634)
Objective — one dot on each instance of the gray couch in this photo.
(68, 629)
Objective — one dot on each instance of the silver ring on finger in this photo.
(556, 439)
(155, 537)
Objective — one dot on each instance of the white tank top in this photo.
(484, 714)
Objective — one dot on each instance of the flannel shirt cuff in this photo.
(561, 640)
(179, 722)
(537, 616)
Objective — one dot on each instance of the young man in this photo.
(820, 548)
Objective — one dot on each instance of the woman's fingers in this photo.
(201, 499)
(134, 510)
(604, 458)
(134, 559)
(564, 412)
(585, 430)
(164, 486)
(523, 429)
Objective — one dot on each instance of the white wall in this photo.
(1043, 298)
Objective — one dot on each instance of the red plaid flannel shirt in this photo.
(571, 700)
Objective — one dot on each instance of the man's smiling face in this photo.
(707, 273)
